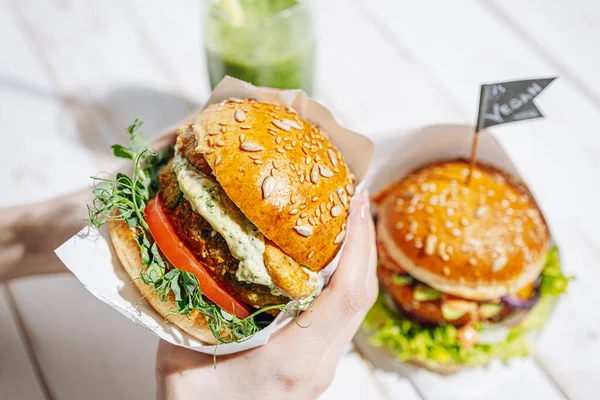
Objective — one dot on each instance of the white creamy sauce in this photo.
(245, 241)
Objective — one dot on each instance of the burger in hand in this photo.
(222, 232)
(468, 271)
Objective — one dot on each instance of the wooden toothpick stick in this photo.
(473, 157)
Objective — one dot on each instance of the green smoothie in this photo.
(264, 42)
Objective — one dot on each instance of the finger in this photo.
(343, 304)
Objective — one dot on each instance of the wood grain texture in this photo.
(496, 53)
(85, 349)
(79, 72)
(17, 374)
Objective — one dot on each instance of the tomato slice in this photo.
(181, 257)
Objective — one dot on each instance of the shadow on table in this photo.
(101, 121)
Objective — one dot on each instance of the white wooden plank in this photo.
(373, 84)
(572, 49)
(102, 68)
(40, 140)
(17, 375)
(352, 381)
(173, 36)
(463, 45)
(520, 379)
(356, 71)
(85, 349)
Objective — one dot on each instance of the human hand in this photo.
(297, 363)
(29, 234)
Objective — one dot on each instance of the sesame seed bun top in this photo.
(480, 241)
(282, 172)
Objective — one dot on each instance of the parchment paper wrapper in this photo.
(93, 261)
(396, 155)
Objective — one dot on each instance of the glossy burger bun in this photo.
(128, 252)
(282, 172)
(479, 242)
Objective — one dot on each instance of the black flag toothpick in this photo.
(505, 102)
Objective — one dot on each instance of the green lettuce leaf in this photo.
(439, 345)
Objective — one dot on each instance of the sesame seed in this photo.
(450, 212)
(312, 253)
(242, 138)
(280, 150)
(430, 242)
(209, 151)
(339, 237)
(239, 115)
(418, 244)
(499, 263)
(223, 123)
(304, 230)
(446, 270)
(343, 196)
(413, 227)
(504, 203)
(472, 261)
(332, 157)
(235, 100)
(218, 160)
(350, 189)
(336, 211)
(294, 211)
(258, 162)
(314, 174)
(481, 211)
(287, 147)
(409, 236)
(272, 131)
(254, 157)
(251, 146)
(268, 186)
(292, 124)
(464, 222)
(325, 172)
(211, 142)
(219, 143)
(281, 125)
(456, 232)
(448, 224)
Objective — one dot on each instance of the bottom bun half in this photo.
(129, 254)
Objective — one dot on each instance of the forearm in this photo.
(30, 233)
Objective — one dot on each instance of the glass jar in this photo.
(264, 42)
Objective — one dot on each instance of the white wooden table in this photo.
(73, 74)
